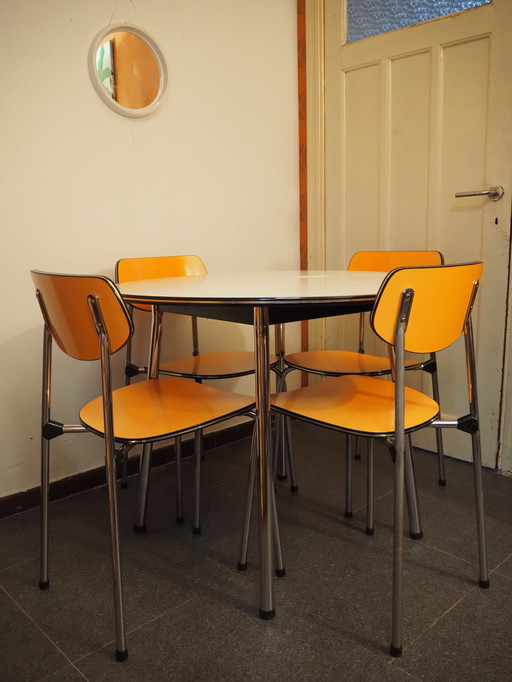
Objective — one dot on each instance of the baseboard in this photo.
(28, 499)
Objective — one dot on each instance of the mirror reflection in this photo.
(128, 70)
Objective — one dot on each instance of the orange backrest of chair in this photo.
(442, 296)
(64, 301)
(153, 267)
(385, 261)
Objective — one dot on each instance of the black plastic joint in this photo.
(369, 531)
(242, 565)
(180, 520)
(430, 366)
(294, 488)
(484, 584)
(131, 370)
(140, 529)
(468, 424)
(52, 430)
(44, 584)
(196, 530)
(280, 572)
(416, 536)
(347, 514)
(121, 655)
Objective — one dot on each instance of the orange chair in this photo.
(418, 310)
(199, 366)
(340, 362)
(88, 320)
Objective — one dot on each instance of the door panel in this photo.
(425, 112)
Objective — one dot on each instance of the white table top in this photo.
(259, 287)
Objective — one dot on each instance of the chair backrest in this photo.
(442, 300)
(153, 267)
(65, 304)
(384, 261)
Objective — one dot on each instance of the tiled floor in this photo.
(191, 616)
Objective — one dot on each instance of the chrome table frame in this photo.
(260, 299)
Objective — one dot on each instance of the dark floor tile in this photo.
(212, 639)
(27, 654)
(191, 615)
(470, 642)
(342, 578)
(68, 674)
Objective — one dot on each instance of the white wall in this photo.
(213, 171)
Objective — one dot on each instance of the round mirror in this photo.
(128, 70)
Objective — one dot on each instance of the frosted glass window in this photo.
(372, 17)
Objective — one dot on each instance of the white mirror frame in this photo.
(160, 59)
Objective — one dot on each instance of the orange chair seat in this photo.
(165, 407)
(339, 362)
(356, 404)
(214, 365)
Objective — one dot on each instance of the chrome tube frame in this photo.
(439, 433)
(44, 581)
(370, 529)
(110, 452)
(265, 479)
(147, 448)
(411, 491)
(398, 525)
(251, 479)
(476, 449)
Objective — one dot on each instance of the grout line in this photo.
(439, 618)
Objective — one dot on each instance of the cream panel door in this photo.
(426, 112)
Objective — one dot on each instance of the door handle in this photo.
(494, 193)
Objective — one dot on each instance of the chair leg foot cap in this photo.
(294, 488)
(347, 514)
(196, 530)
(369, 531)
(121, 655)
(442, 482)
(281, 477)
(416, 536)
(484, 584)
(140, 529)
(180, 519)
(280, 572)
(395, 651)
(357, 458)
(267, 615)
(44, 584)
(242, 566)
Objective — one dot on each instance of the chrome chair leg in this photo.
(348, 477)
(44, 581)
(439, 433)
(242, 560)
(121, 650)
(398, 532)
(280, 570)
(179, 487)
(289, 453)
(142, 502)
(411, 491)
(198, 446)
(370, 529)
